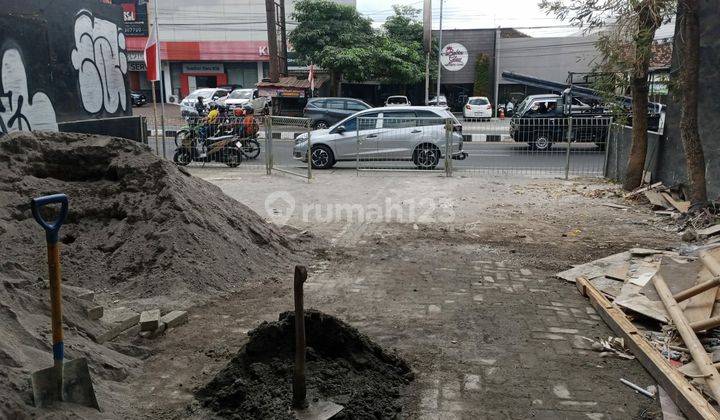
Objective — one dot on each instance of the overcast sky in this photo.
(459, 14)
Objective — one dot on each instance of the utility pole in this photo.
(427, 44)
(162, 81)
(440, 47)
(272, 41)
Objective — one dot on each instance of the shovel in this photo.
(64, 381)
(303, 408)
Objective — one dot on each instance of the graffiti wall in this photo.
(60, 61)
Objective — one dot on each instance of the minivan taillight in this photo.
(489, 106)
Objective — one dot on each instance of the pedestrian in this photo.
(509, 108)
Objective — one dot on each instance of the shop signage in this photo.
(203, 68)
(454, 57)
(135, 17)
(135, 56)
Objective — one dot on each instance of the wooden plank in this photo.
(670, 411)
(712, 230)
(681, 206)
(700, 307)
(687, 398)
(596, 268)
(643, 189)
(693, 344)
(656, 199)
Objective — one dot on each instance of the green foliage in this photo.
(337, 38)
(482, 76)
(332, 35)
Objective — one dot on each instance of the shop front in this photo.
(197, 75)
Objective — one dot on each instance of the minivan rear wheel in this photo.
(426, 156)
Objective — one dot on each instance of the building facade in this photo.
(202, 44)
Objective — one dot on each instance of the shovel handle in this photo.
(51, 229)
(51, 233)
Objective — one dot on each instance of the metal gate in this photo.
(288, 145)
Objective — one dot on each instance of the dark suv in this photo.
(324, 112)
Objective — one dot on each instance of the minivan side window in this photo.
(367, 122)
(428, 118)
(399, 119)
(320, 103)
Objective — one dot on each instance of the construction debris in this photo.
(657, 301)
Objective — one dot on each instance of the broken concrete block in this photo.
(174, 318)
(149, 320)
(94, 312)
(113, 323)
(79, 292)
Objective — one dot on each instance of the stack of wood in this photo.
(666, 307)
(664, 200)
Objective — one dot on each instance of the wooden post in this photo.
(699, 355)
(299, 387)
(274, 73)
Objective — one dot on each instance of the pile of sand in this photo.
(343, 366)
(139, 232)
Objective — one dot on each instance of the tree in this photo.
(482, 76)
(688, 41)
(399, 56)
(626, 44)
(335, 37)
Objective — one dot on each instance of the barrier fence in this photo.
(536, 146)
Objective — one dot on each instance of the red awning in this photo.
(205, 50)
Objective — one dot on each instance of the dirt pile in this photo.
(137, 225)
(343, 366)
(140, 232)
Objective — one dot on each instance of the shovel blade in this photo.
(77, 386)
(318, 410)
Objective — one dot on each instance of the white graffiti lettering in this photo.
(100, 59)
(18, 111)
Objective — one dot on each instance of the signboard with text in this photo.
(135, 17)
(203, 68)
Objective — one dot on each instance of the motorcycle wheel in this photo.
(182, 157)
(233, 157)
(251, 149)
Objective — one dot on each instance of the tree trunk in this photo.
(647, 25)
(335, 77)
(689, 83)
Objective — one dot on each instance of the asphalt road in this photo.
(585, 159)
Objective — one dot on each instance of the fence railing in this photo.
(566, 146)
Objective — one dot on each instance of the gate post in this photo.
(448, 147)
(607, 147)
(569, 142)
(309, 154)
(268, 145)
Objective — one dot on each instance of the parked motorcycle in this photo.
(225, 149)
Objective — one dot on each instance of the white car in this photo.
(240, 97)
(477, 107)
(404, 133)
(187, 105)
(397, 100)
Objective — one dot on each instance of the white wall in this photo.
(216, 20)
(547, 58)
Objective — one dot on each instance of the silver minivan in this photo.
(414, 134)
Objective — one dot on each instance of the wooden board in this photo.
(685, 396)
(681, 206)
(656, 199)
(712, 230)
(700, 307)
(609, 286)
(670, 411)
(596, 268)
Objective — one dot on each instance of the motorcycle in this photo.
(225, 149)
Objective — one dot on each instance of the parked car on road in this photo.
(477, 108)
(434, 102)
(406, 133)
(541, 120)
(240, 97)
(397, 100)
(324, 112)
(187, 105)
(137, 99)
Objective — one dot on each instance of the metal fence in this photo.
(534, 146)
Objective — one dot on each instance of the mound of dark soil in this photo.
(343, 366)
